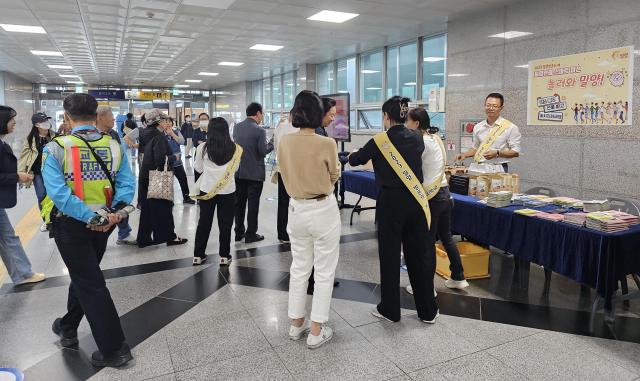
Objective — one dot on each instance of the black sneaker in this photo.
(177, 241)
(254, 238)
(239, 237)
(66, 340)
(114, 360)
(189, 201)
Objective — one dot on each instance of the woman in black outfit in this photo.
(401, 220)
(156, 217)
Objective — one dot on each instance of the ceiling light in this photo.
(636, 52)
(438, 74)
(269, 48)
(69, 76)
(181, 86)
(23, 28)
(366, 71)
(46, 53)
(458, 75)
(434, 59)
(410, 84)
(206, 73)
(373, 88)
(60, 66)
(510, 34)
(303, 78)
(76, 82)
(193, 80)
(227, 63)
(332, 16)
(523, 66)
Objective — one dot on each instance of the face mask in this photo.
(44, 125)
(204, 124)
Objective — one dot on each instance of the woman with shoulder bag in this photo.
(11, 250)
(217, 160)
(156, 197)
(31, 156)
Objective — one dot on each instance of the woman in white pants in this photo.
(309, 168)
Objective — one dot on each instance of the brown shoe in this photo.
(35, 278)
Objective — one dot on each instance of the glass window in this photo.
(370, 120)
(352, 119)
(324, 78)
(402, 70)
(256, 89)
(266, 91)
(346, 77)
(434, 58)
(276, 92)
(289, 90)
(371, 77)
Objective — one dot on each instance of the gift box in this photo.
(475, 261)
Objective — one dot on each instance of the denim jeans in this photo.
(41, 191)
(11, 251)
(124, 229)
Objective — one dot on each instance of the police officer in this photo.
(402, 220)
(89, 181)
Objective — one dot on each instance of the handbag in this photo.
(161, 183)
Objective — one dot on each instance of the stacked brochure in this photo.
(550, 216)
(605, 222)
(499, 199)
(577, 219)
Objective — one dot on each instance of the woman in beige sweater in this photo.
(309, 168)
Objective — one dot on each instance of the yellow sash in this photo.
(404, 172)
(490, 139)
(433, 188)
(232, 167)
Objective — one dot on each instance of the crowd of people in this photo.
(85, 188)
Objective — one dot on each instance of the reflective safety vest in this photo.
(82, 172)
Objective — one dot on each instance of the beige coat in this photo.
(29, 154)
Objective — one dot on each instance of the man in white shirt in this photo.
(495, 139)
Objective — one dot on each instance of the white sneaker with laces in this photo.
(128, 240)
(313, 342)
(224, 261)
(295, 333)
(410, 291)
(434, 319)
(459, 284)
(44, 227)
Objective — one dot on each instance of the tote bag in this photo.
(161, 183)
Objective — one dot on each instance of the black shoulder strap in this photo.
(103, 166)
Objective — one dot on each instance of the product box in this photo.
(483, 186)
(475, 261)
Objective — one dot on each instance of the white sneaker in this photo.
(459, 284)
(128, 240)
(35, 278)
(377, 314)
(434, 319)
(410, 291)
(295, 333)
(313, 342)
(224, 261)
(44, 227)
(198, 261)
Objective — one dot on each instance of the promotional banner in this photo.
(593, 88)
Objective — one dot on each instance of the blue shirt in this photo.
(61, 195)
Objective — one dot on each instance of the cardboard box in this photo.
(475, 261)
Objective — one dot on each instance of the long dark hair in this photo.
(219, 145)
(33, 133)
(6, 114)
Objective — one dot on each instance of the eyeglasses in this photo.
(492, 107)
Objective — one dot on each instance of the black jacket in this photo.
(408, 143)
(156, 151)
(8, 176)
(187, 130)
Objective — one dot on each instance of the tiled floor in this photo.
(207, 323)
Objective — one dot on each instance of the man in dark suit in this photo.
(251, 174)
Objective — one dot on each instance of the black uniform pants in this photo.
(225, 204)
(82, 250)
(441, 206)
(402, 223)
(248, 194)
(283, 210)
(181, 175)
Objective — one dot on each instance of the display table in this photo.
(363, 184)
(595, 259)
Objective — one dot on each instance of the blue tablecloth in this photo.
(595, 259)
(361, 183)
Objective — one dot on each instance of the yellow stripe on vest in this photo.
(229, 172)
(495, 133)
(404, 172)
(433, 188)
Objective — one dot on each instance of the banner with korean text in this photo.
(593, 88)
